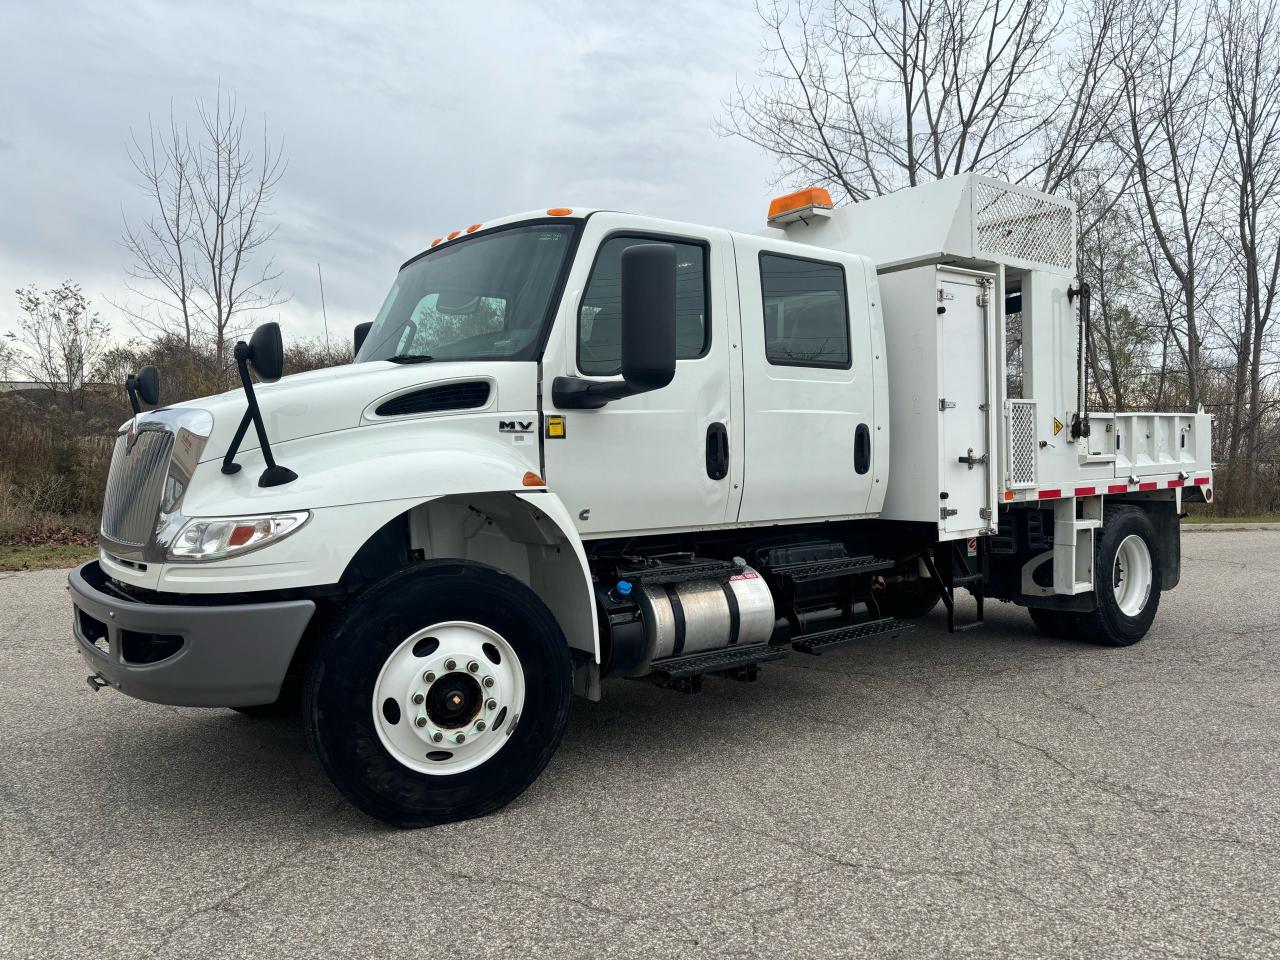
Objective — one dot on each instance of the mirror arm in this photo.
(274, 475)
(131, 387)
(576, 393)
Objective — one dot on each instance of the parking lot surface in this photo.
(986, 794)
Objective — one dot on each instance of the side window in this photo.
(806, 316)
(600, 317)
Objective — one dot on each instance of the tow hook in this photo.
(97, 681)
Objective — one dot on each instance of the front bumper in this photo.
(230, 655)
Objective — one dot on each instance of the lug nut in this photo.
(480, 725)
(437, 736)
(429, 677)
(418, 698)
(460, 738)
(472, 667)
(491, 704)
(451, 664)
(421, 721)
(488, 681)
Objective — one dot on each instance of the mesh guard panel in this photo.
(1021, 422)
(1035, 228)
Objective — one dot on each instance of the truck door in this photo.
(808, 362)
(964, 375)
(667, 459)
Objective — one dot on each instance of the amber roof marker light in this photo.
(807, 204)
(560, 212)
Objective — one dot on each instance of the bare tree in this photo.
(1246, 35)
(198, 262)
(60, 340)
(867, 96)
(1162, 54)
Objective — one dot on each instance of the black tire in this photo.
(1108, 624)
(344, 667)
(909, 600)
(1059, 624)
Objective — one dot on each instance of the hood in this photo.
(338, 398)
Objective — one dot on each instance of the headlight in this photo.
(218, 537)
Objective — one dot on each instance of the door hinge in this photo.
(945, 404)
(984, 513)
(984, 299)
(944, 294)
(984, 407)
(945, 512)
(971, 461)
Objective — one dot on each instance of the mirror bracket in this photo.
(577, 393)
(274, 475)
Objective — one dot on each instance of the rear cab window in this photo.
(806, 312)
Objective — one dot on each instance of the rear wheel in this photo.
(910, 599)
(1126, 586)
(441, 695)
(1126, 576)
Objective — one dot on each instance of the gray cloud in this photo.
(400, 121)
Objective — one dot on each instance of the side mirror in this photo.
(266, 352)
(362, 331)
(648, 332)
(148, 384)
(648, 316)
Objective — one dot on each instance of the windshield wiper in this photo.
(411, 358)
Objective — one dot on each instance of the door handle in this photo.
(973, 461)
(862, 449)
(717, 451)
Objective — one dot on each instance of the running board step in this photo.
(729, 660)
(829, 569)
(816, 643)
(683, 573)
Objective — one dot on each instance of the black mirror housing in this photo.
(266, 352)
(648, 316)
(361, 333)
(149, 385)
(648, 332)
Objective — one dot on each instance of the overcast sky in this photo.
(400, 121)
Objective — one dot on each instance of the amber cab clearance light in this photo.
(802, 205)
(559, 212)
(531, 479)
(473, 228)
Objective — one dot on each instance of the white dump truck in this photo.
(578, 444)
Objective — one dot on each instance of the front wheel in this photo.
(440, 696)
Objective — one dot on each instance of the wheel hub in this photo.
(1132, 575)
(448, 697)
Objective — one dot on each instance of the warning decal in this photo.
(1057, 426)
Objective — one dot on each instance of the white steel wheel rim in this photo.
(1131, 575)
(423, 698)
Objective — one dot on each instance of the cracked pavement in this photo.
(986, 794)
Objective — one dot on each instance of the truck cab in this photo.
(578, 444)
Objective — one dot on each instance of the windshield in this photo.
(486, 298)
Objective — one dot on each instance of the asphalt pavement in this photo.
(993, 794)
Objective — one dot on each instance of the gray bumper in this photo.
(233, 655)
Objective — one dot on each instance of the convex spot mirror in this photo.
(147, 384)
(361, 333)
(266, 352)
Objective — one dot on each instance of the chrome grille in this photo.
(134, 485)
